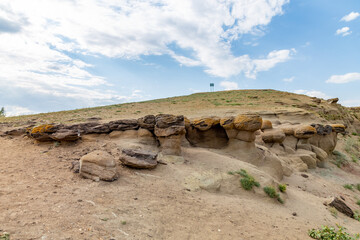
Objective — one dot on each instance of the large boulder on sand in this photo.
(98, 165)
(248, 122)
(304, 132)
(138, 158)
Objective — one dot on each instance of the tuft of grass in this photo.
(123, 222)
(357, 216)
(282, 188)
(358, 202)
(333, 212)
(354, 134)
(270, 191)
(358, 186)
(330, 233)
(349, 186)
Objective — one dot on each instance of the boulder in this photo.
(266, 124)
(16, 132)
(248, 122)
(316, 100)
(308, 157)
(325, 142)
(138, 159)
(304, 132)
(320, 154)
(42, 133)
(290, 141)
(98, 165)
(147, 122)
(273, 136)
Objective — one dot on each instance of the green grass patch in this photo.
(340, 159)
(282, 188)
(271, 192)
(330, 233)
(349, 186)
(247, 181)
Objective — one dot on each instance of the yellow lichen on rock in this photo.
(304, 131)
(204, 124)
(339, 128)
(248, 122)
(266, 124)
(227, 123)
(41, 129)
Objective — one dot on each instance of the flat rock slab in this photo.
(341, 207)
(138, 159)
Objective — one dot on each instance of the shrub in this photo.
(357, 216)
(358, 186)
(358, 202)
(282, 188)
(248, 181)
(330, 233)
(349, 186)
(270, 191)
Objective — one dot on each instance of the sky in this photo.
(68, 54)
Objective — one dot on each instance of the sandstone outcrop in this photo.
(170, 130)
(98, 165)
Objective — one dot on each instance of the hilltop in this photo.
(246, 164)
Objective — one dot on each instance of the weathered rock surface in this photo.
(341, 207)
(147, 122)
(98, 165)
(123, 125)
(333, 100)
(204, 124)
(338, 128)
(214, 137)
(266, 124)
(304, 132)
(138, 158)
(65, 135)
(273, 136)
(248, 122)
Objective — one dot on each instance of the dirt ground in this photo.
(41, 198)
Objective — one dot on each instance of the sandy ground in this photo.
(41, 198)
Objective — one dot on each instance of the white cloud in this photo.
(17, 110)
(343, 31)
(351, 103)
(346, 78)
(130, 29)
(312, 93)
(290, 79)
(351, 16)
(227, 85)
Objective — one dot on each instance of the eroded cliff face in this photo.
(279, 148)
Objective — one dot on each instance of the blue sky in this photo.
(66, 54)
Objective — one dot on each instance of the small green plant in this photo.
(330, 233)
(349, 186)
(282, 188)
(123, 222)
(333, 212)
(354, 134)
(247, 181)
(357, 216)
(358, 202)
(5, 236)
(270, 191)
(358, 186)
